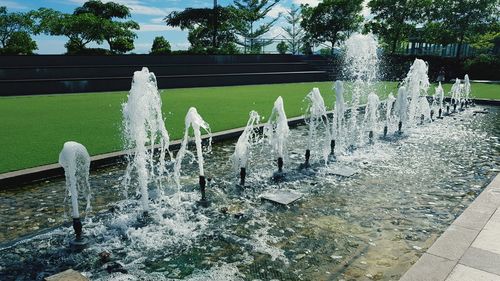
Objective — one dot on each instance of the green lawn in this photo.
(34, 128)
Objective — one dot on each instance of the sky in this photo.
(149, 14)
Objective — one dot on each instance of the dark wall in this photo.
(47, 74)
(395, 67)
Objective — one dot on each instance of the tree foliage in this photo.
(453, 21)
(93, 22)
(160, 46)
(282, 47)
(394, 20)
(15, 30)
(331, 21)
(210, 31)
(294, 31)
(248, 15)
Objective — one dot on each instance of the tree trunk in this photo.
(393, 47)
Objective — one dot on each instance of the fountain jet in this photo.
(316, 118)
(75, 160)
(193, 120)
(276, 131)
(143, 128)
(242, 149)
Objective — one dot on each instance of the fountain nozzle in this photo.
(370, 136)
(432, 114)
(77, 226)
(280, 164)
(243, 174)
(203, 183)
(455, 107)
(308, 156)
(80, 242)
(332, 147)
(448, 109)
(440, 112)
(400, 127)
(385, 130)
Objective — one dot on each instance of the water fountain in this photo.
(416, 85)
(360, 66)
(467, 90)
(316, 119)
(276, 131)
(389, 103)
(75, 161)
(401, 108)
(193, 120)
(456, 94)
(338, 124)
(247, 139)
(144, 130)
(369, 219)
(371, 115)
(439, 96)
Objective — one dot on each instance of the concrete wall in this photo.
(48, 74)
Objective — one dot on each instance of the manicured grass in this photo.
(34, 128)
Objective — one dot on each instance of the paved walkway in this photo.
(469, 250)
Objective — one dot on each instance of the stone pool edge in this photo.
(469, 249)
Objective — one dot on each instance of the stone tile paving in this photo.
(469, 250)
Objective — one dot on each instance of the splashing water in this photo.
(388, 109)
(276, 130)
(143, 128)
(360, 59)
(467, 89)
(416, 84)
(249, 137)
(361, 66)
(401, 107)
(456, 92)
(424, 109)
(371, 113)
(316, 118)
(439, 95)
(75, 160)
(338, 125)
(193, 120)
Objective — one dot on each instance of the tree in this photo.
(293, 31)
(160, 46)
(331, 20)
(453, 21)
(15, 30)
(118, 34)
(20, 43)
(249, 13)
(203, 35)
(93, 22)
(395, 20)
(282, 47)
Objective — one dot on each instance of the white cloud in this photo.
(12, 5)
(157, 20)
(157, 27)
(180, 45)
(276, 10)
(274, 32)
(136, 7)
(312, 3)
